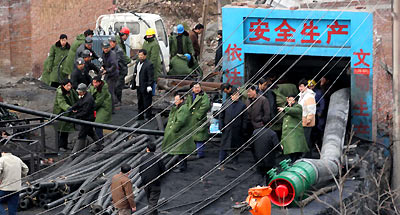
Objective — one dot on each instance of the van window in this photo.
(162, 34)
(134, 27)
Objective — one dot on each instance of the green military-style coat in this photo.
(61, 104)
(153, 55)
(187, 45)
(293, 139)
(198, 109)
(68, 67)
(103, 103)
(281, 92)
(56, 55)
(177, 136)
(179, 66)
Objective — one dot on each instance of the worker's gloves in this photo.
(100, 60)
(69, 110)
(149, 89)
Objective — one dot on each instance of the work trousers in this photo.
(120, 85)
(11, 198)
(112, 84)
(153, 194)
(87, 130)
(200, 148)
(307, 134)
(144, 102)
(62, 139)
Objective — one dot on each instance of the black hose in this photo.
(81, 122)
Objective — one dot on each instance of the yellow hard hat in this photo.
(311, 83)
(150, 31)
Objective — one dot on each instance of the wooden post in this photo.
(396, 102)
(205, 13)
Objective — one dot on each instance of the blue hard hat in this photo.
(180, 29)
(188, 56)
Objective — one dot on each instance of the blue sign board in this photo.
(304, 32)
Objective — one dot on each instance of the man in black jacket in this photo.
(84, 109)
(110, 70)
(87, 56)
(143, 81)
(86, 46)
(79, 75)
(218, 53)
(150, 170)
(123, 62)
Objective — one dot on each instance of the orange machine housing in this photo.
(259, 201)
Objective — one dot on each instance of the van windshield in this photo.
(162, 35)
(134, 27)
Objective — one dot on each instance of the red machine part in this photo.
(283, 193)
(259, 200)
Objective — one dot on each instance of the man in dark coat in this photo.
(263, 85)
(150, 170)
(194, 37)
(123, 62)
(86, 46)
(259, 112)
(143, 81)
(218, 53)
(84, 109)
(232, 123)
(110, 70)
(79, 75)
(87, 56)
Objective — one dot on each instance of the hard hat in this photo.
(88, 40)
(150, 31)
(80, 61)
(86, 53)
(180, 29)
(124, 30)
(82, 87)
(112, 38)
(105, 44)
(188, 56)
(311, 83)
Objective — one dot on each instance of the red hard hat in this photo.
(124, 30)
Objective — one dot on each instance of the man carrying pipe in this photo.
(84, 109)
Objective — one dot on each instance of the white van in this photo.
(137, 23)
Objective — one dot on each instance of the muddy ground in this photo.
(31, 94)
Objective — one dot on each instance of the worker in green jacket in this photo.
(293, 140)
(123, 36)
(282, 91)
(70, 61)
(103, 108)
(66, 97)
(177, 136)
(199, 104)
(153, 51)
(179, 65)
(53, 74)
(185, 44)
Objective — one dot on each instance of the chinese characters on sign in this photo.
(292, 31)
(360, 107)
(233, 54)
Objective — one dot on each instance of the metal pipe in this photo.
(81, 122)
(290, 184)
(58, 201)
(327, 166)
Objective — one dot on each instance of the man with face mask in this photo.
(143, 82)
(110, 70)
(153, 53)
